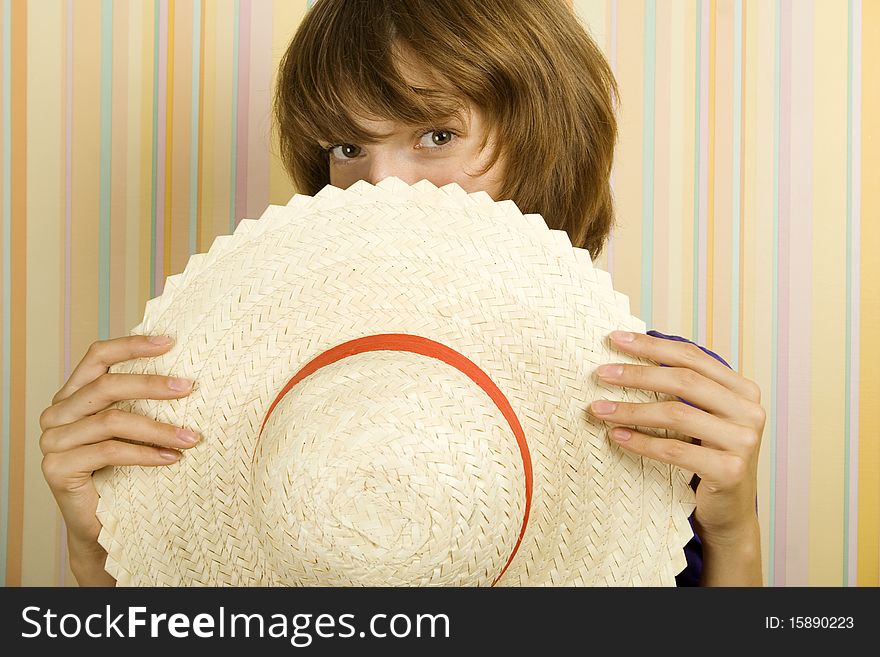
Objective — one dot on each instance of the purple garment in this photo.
(692, 573)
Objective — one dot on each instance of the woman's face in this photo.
(440, 154)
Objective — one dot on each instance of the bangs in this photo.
(343, 79)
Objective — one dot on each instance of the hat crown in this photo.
(384, 468)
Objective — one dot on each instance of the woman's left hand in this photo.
(726, 419)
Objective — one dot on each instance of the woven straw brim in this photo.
(390, 467)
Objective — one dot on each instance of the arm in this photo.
(720, 428)
(81, 434)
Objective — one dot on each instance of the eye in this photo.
(344, 151)
(436, 139)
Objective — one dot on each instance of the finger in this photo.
(115, 423)
(688, 355)
(688, 385)
(711, 430)
(709, 464)
(109, 388)
(105, 353)
(62, 471)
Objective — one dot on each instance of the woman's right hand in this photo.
(80, 436)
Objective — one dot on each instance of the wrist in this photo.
(87, 561)
(734, 558)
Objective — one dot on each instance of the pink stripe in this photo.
(261, 78)
(782, 305)
(244, 73)
(702, 267)
(68, 220)
(159, 272)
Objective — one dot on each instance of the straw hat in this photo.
(392, 386)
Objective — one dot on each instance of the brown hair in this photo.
(529, 65)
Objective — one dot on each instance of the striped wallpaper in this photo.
(747, 182)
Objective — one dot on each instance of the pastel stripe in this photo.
(7, 281)
(853, 258)
(44, 306)
(719, 288)
(260, 86)
(195, 122)
(286, 16)
(170, 174)
(801, 305)
(660, 244)
(234, 187)
(242, 116)
(178, 144)
(68, 228)
(703, 194)
(646, 305)
(707, 245)
(117, 169)
(678, 114)
(106, 123)
(608, 253)
(781, 286)
(160, 162)
(827, 351)
(734, 349)
(869, 278)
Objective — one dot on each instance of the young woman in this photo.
(511, 97)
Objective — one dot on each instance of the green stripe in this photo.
(106, 169)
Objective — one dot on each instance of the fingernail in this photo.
(622, 336)
(187, 436)
(180, 385)
(621, 434)
(610, 371)
(169, 454)
(603, 407)
(161, 340)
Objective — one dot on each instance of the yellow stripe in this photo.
(86, 177)
(679, 205)
(869, 354)
(628, 165)
(593, 15)
(207, 146)
(662, 142)
(828, 333)
(45, 276)
(137, 163)
(286, 17)
(120, 145)
(689, 157)
(169, 144)
(181, 157)
(721, 249)
(757, 244)
(710, 192)
(218, 187)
